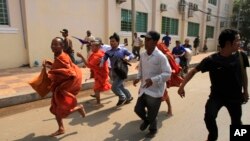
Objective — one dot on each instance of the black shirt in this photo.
(225, 75)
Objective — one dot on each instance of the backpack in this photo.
(121, 68)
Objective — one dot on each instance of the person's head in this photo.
(96, 44)
(166, 33)
(151, 39)
(57, 46)
(135, 34)
(88, 33)
(186, 41)
(177, 43)
(229, 38)
(114, 40)
(65, 32)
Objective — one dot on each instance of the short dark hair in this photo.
(227, 35)
(115, 36)
(154, 35)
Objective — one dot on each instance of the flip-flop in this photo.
(58, 132)
(93, 95)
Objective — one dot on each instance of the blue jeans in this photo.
(118, 87)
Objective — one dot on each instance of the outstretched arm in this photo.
(188, 77)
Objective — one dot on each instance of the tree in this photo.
(244, 19)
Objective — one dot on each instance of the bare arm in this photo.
(188, 77)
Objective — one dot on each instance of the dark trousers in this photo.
(152, 104)
(212, 108)
(136, 52)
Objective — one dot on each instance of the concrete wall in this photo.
(13, 51)
(33, 24)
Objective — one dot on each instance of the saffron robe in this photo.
(66, 80)
(101, 74)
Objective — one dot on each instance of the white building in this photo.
(28, 26)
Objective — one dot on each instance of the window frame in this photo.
(128, 27)
(7, 28)
(173, 28)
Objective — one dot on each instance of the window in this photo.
(169, 25)
(209, 11)
(126, 20)
(209, 31)
(193, 29)
(4, 18)
(141, 21)
(214, 2)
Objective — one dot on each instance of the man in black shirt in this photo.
(227, 80)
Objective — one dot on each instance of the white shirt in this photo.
(137, 41)
(155, 67)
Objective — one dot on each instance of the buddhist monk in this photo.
(66, 80)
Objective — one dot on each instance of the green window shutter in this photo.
(210, 32)
(169, 25)
(4, 17)
(126, 20)
(141, 22)
(214, 2)
(193, 29)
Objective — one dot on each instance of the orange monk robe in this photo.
(101, 74)
(66, 80)
(175, 80)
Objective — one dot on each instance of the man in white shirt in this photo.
(154, 71)
(89, 38)
(137, 44)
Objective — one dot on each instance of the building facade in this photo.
(28, 26)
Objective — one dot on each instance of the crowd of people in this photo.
(158, 69)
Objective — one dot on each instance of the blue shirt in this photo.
(178, 50)
(166, 40)
(119, 52)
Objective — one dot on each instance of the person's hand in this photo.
(245, 97)
(126, 59)
(47, 63)
(136, 81)
(148, 83)
(78, 54)
(181, 92)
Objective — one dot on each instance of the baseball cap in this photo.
(152, 34)
(64, 31)
(97, 40)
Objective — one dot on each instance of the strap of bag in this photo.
(243, 72)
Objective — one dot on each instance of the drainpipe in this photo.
(133, 18)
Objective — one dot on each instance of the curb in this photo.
(33, 96)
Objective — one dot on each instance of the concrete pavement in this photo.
(14, 87)
(108, 123)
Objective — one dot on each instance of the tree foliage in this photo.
(244, 19)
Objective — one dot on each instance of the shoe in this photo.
(151, 134)
(93, 95)
(144, 126)
(120, 102)
(129, 100)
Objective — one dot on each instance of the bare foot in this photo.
(82, 111)
(58, 132)
(169, 113)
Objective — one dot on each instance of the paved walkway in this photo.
(14, 87)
